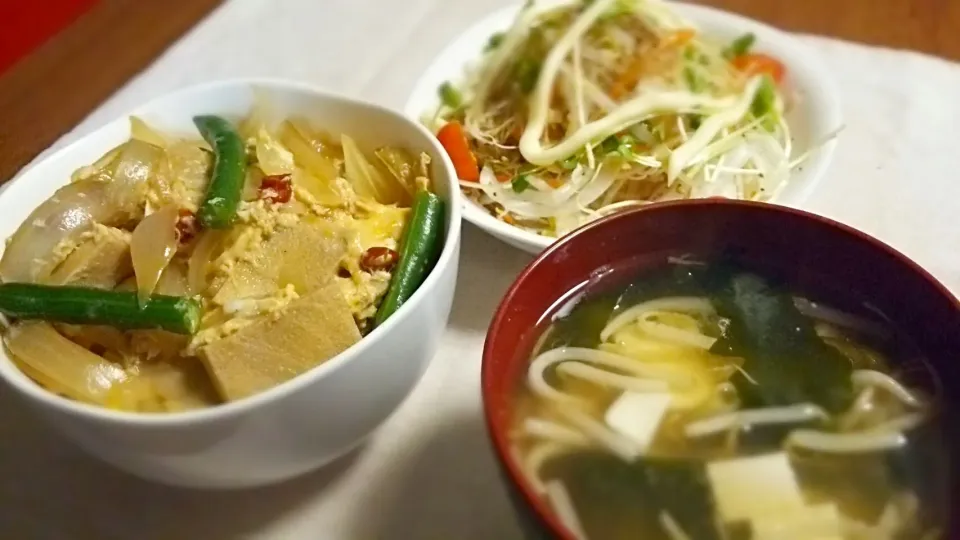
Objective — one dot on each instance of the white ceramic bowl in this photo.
(301, 424)
(814, 118)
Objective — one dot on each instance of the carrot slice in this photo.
(759, 64)
(454, 141)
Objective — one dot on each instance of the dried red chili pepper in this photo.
(378, 258)
(187, 226)
(276, 188)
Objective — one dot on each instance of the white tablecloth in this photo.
(428, 473)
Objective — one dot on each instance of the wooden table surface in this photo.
(51, 90)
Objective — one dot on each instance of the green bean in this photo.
(85, 305)
(219, 206)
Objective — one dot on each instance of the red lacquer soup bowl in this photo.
(806, 250)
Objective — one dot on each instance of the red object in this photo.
(276, 188)
(802, 247)
(187, 226)
(753, 64)
(378, 258)
(454, 141)
(27, 24)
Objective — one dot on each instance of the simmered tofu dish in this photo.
(181, 272)
(708, 400)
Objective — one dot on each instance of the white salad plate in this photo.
(814, 119)
(303, 423)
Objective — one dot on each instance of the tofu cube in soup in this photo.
(822, 522)
(638, 416)
(754, 486)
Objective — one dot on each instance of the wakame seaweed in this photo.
(582, 326)
(605, 489)
(786, 361)
(675, 280)
(920, 465)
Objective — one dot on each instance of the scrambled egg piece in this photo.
(259, 220)
(361, 224)
(363, 291)
(376, 225)
(267, 216)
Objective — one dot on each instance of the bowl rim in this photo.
(816, 164)
(243, 406)
(497, 428)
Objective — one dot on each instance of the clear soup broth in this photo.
(710, 400)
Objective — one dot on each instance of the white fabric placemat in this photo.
(428, 473)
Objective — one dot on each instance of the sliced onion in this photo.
(366, 179)
(580, 177)
(73, 209)
(325, 193)
(183, 175)
(127, 189)
(722, 182)
(770, 158)
(532, 205)
(173, 280)
(272, 157)
(543, 194)
(152, 246)
(601, 182)
(142, 131)
(61, 365)
(207, 249)
(315, 155)
(401, 165)
(112, 195)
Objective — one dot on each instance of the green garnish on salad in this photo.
(449, 95)
(520, 184)
(739, 46)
